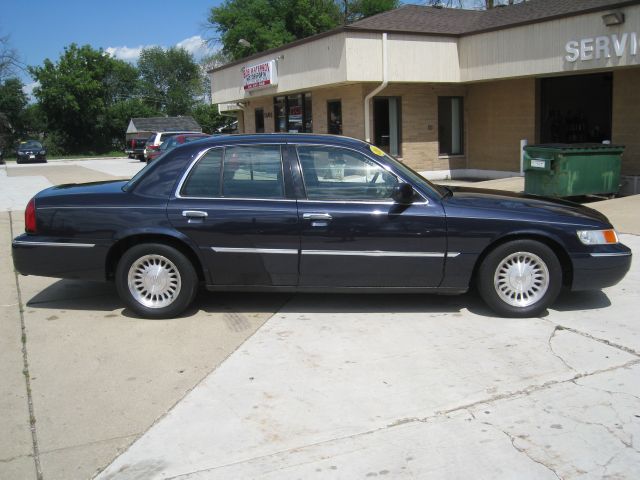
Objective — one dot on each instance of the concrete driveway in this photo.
(314, 386)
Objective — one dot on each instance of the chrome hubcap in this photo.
(154, 281)
(521, 279)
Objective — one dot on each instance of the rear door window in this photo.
(253, 172)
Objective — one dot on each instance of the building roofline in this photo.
(354, 28)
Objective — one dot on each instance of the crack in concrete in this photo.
(604, 341)
(11, 459)
(88, 444)
(556, 329)
(535, 388)
(523, 450)
(25, 371)
(438, 414)
(610, 392)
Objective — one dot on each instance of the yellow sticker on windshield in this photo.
(376, 150)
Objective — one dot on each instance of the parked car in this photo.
(1, 156)
(135, 148)
(311, 213)
(155, 140)
(31, 151)
(175, 141)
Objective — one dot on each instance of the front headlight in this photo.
(42, 152)
(598, 237)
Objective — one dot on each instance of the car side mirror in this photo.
(402, 193)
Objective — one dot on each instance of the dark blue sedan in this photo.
(311, 213)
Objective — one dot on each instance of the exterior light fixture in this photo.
(613, 18)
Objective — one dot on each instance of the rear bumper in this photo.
(599, 270)
(49, 257)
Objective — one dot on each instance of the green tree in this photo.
(9, 59)
(209, 117)
(12, 105)
(170, 80)
(76, 92)
(355, 10)
(266, 24)
(120, 113)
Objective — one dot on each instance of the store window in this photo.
(293, 113)
(334, 117)
(386, 124)
(450, 125)
(259, 120)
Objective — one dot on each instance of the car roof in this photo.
(283, 138)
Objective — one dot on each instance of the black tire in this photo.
(178, 280)
(498, 281)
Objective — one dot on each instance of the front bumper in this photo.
(31, 158)
(51, 257)
(600, 269)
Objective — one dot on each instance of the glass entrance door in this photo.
(386, 124)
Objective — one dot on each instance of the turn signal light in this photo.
(30, 217)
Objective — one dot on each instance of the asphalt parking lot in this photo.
(310, 386)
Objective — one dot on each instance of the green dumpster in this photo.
(567, 170)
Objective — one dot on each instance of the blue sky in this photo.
(40, 29)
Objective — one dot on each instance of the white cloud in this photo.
(28, 88)
(127, 54)
(195, 45)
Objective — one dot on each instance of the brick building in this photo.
(454, 92)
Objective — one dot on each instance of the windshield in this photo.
(31, 144)
(414, 176)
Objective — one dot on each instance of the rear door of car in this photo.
(236, 203)
(353, 234)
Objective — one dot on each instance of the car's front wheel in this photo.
(156, 280)
(520, 278)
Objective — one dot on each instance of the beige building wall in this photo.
(626, 117)
(352, 99)
(539, 48)
(500, 115)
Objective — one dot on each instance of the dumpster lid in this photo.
(576, 146)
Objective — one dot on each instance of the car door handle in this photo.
(316, 216)
(194, 214)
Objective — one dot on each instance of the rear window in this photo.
(204, 178)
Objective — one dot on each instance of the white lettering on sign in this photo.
(260, 76)
(601, 47)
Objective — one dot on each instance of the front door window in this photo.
(339, 174)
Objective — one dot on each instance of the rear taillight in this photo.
(153, 147)
(30, 217)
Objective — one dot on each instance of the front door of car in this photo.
(354, 235)
(233, 205)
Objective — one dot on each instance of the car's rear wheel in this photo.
(156, 280)
(520, 278)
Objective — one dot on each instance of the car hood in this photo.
(520, 206)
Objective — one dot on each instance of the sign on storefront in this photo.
(260, 76)
(604, 46)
